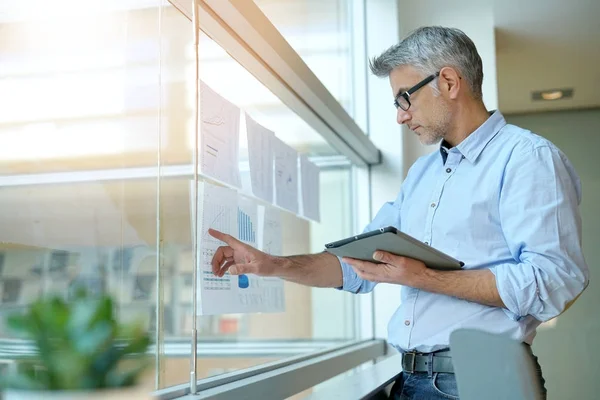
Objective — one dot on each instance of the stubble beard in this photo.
(429, 137)
(439, 127)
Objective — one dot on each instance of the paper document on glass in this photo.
(219, 208)
(270, 232)
(260, 157)
(220, 135)
(309, 176)
(256, 294)
(286, 175)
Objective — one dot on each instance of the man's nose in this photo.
(402, 116)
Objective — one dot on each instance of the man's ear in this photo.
(450, 82)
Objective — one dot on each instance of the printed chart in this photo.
(286, 176)
(219, 137)
(222, 209)
(260, 157)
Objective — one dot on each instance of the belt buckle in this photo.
(412, 360)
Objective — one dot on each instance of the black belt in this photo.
(440, 361)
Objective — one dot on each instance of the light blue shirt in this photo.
(506, 200)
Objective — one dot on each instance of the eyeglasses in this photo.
(403, 99)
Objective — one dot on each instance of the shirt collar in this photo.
(474, 144)
(444, 148)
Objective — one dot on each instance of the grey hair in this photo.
(429, 49)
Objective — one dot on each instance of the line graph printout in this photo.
(270, 232)
(219, 208)
(286, 175)
(309, 178)
(260, 157)
(220, 135)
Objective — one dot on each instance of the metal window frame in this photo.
(148, 172)
(280, 379)
(179, 347)
(305, 363)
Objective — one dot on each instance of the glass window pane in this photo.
(96, 149)
(323, 34)
(304, 320)
(229, 79)
(79, 138)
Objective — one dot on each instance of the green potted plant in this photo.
(83, 352)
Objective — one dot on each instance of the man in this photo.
(497, 197)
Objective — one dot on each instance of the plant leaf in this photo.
(96, 340)
(25, 377)
(80, 344)
(21, 381)
(21, 326)
(126, 378)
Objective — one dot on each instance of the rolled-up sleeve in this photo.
(352, 282)
(388, 215)
(539, 213)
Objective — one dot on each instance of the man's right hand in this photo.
(240, 258)
(322, 270)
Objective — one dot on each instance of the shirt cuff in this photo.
(509, 302)
(350, 280)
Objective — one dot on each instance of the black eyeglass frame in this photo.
(406, 95)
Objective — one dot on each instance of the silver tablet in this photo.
(393, 241)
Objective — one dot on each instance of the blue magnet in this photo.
(243, 282)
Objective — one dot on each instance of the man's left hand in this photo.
(393, 269)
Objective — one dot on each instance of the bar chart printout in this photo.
(246, 228)
(247, 220)
(222, 209)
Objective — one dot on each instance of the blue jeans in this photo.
(438, 386)
(420, 386)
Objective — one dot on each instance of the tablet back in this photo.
(395, 243)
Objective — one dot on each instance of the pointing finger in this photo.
(230, 240)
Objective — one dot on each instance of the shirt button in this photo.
(448, 170)
(432, 205)
(407, 322)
